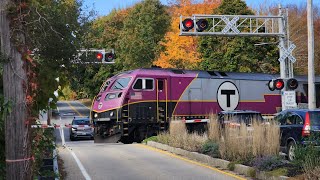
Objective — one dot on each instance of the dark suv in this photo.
(236, 117)
(296, 125)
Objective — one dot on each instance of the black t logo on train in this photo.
(228, 96)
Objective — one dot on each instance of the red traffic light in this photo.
(292, 84)
(187, 24)
(202, 24)
(99, 56)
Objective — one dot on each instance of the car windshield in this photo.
(121, 83)
(81, 122)
(315, 118)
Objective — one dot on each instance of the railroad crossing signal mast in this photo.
(248, 25)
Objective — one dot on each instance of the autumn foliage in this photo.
(181, 51)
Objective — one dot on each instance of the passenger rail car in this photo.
(137, 104)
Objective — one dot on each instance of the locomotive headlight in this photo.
(95, 115)
(111, 114)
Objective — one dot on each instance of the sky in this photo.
(103, 7)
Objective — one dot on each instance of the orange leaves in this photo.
(181, 51)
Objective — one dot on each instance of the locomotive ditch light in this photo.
(292, 84)
(202, 24)
(99, 56)
(187, 24)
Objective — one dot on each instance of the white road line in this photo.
(83, 170)
(81, 167)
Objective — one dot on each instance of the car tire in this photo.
(72, 138)
(290, 150)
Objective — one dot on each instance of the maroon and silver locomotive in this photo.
(140, 103)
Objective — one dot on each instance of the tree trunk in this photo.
(14, 81)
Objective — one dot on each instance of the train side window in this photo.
(138, 84)
(149, 84)
(144, 84)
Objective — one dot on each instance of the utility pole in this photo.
(311, 76)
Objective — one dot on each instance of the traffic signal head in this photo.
(99, 56)
(277, 84)
(187, 24)
(202, 24)
(292, 84)
(110, 57)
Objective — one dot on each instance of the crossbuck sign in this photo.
(287, 53)
(230, 25)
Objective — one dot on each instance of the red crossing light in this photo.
(99, 56)
(202, 24)
(187, 24)
(279, 84)
(109, 57)
(292, 84)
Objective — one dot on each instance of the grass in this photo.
(278, 172)
(179, 137)
(243, 143)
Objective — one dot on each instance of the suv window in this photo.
(315, 118)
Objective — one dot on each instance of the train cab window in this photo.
(149, 84)
(143, 84)
(121, 83)
(138, 84)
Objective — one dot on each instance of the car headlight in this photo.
(73, 129)
(111, 114)
(95, 115)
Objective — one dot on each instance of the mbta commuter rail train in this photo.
(137, 104)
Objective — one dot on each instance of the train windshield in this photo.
(121, 83)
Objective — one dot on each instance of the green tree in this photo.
(144, 27)
(237, 54)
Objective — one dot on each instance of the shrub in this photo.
(178, 137)
(152, 138)
(231, 166)
(214, 132)
(243, 143)
(268, 163)
(210, 148)
(311, 167)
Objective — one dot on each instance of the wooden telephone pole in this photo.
(17, 139)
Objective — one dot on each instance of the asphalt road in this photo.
(87, 160)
